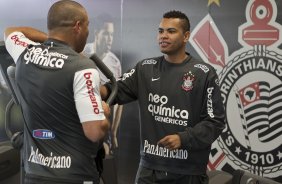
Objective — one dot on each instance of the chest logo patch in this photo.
(188, 81)
(43, 134)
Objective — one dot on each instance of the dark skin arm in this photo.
(104, 92)
(31, 33)
(96, 130)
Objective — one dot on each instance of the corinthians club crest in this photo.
(188, 81)
(251, 86)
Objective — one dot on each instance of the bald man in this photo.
(59, 95)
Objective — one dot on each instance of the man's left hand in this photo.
(170, 142)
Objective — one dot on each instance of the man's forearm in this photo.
(104, 92)
(31, 33)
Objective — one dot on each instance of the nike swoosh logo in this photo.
(155, 79)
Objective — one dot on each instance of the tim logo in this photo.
(43, 134)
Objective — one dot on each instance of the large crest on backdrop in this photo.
(251, 86)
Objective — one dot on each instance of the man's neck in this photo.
(101, 55)
(177, 58)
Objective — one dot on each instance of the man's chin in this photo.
(164, 51)
(109, 48)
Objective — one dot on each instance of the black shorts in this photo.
(149, 176)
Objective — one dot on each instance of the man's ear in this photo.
(186, 36)
(77, 26)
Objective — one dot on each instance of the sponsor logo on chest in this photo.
(43, 134)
